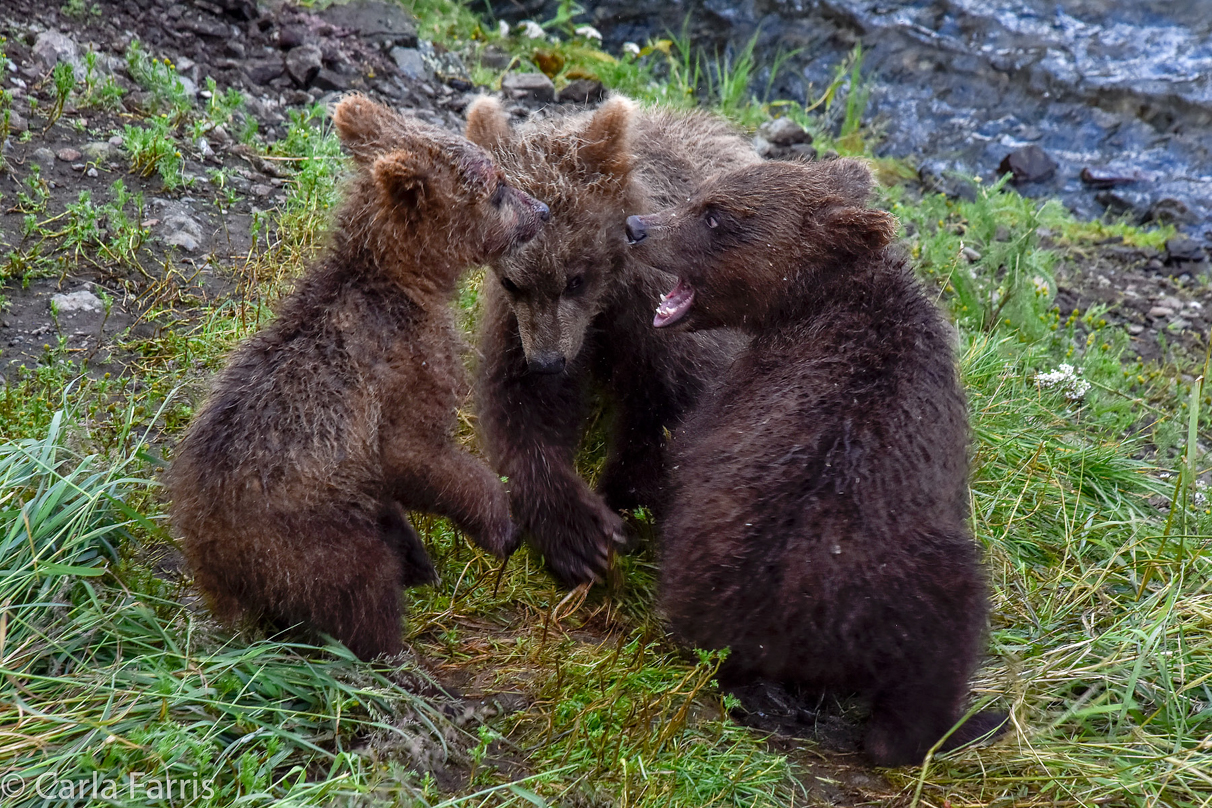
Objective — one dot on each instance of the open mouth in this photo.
(674, 305)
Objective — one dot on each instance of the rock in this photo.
(1122, 201)
(1135, 328)
(182, 230)
(330, 80)
(581, 91)
(204, 27)
(1169, 210)
(495, 58)
(82, 300)
(92, 172)
(188, 85)
(528, 87)
(1028, 164)
(385, 24)
(942, 178)
(410, 63)
(44, 157)
(1158, 312)
(763, 147)
(261, 189)
(68, 155)
(1182, 251)
(263, 71)
(303, 63)
(971, 255)
(52, 47)
(805, 151)
(784, 132)
(16, 123)
(98, 152)
(1106, 178)
(291, 36)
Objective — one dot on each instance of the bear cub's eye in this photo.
(509, 285)
(498, 196)
(574, 284)
(712, 221)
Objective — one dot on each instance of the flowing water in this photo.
(1122, 88)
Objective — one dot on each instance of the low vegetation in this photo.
(1087, 494)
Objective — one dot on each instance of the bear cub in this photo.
(289, 489)
(819, 519)
(566, 320)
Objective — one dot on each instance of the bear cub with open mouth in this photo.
(818, 526)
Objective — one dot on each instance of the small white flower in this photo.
(589, 32)
(1066, 379)
(631, 49)
(1041, 285)
(532, 29)
(503, 29)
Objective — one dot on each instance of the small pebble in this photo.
(68, 155)
(1160, 311)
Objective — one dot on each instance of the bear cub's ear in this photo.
(849, 179)
(856, 231)
(406, 186)
(365, 128)
(488, 124)
(605, 144)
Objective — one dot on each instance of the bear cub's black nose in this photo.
(635, 230)
(544, 212)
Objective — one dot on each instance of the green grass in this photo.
(1083, 495)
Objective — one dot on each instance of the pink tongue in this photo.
(675, 305)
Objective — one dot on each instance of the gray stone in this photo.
(68, 155)
(44, 156)
(82, 300)
(528, 87)
(1028, 164)
(1183, 250)
(410, 63)
(385, 24)
(16, 123)
(495, 58)
(784, 132)
(1160, 311)
(52, 47)
(97, 152)
(330, 81)
(303, 63)
(182, 231)
(582, 91)
(188, 85)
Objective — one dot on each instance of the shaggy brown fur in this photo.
(289, 488)
(570, 311)
(818, 526)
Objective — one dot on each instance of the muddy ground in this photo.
(198, 236)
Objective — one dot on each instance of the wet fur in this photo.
(290, 487)
(593, 169)
(819, 522)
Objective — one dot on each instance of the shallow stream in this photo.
(1122, 89)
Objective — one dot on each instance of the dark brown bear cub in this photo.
(818, 526)
(290, 487)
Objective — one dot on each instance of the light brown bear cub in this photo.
(566, 317)
(289, 489)
(818, 526)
